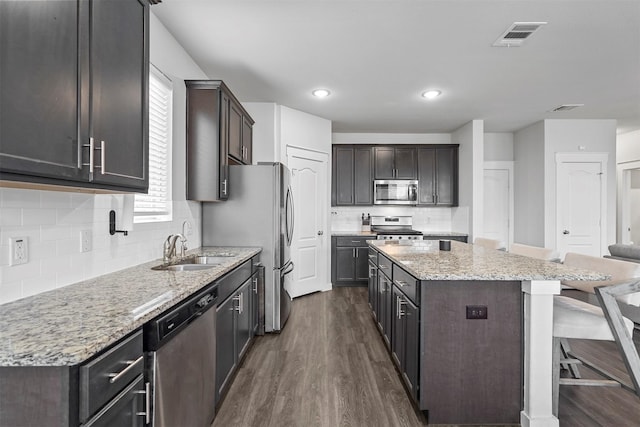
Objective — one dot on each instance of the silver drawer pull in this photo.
(147, 402)
(131, 364)
(384, 267)
(401, 283)
(355, 241)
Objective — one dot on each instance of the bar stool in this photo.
(531, 251)
(487, 243)
(577, 319)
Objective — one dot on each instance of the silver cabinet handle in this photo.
(238, 298)
(401, 283)
(147, 403)
(384, 267)
(224, 187)
(255, 285)
(91, 155)
(103, 149)
(399, 304)
(130, 365)
(355, 241)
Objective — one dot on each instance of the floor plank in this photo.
(329, 367)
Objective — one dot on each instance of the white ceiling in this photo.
(377, 56)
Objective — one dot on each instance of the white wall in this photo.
(303, 130)
(628, 147)
(469, 214)
(529, 197)
(498, 146)
(52, 220)
(391, 138)
(628, 159)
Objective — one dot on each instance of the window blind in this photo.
(156, 204)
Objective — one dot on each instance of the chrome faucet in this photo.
(169, 250)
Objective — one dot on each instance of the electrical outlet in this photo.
(86, 241)
(19, 250)
(476, 312)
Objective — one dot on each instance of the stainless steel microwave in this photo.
(395, 192)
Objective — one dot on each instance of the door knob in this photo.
(320, 233)
(565, 232)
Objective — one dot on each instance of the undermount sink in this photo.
(194, 263)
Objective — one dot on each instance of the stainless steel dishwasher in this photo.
(180, 350)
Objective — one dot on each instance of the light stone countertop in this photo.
(424, 260)
(424, 233)
(66, 326)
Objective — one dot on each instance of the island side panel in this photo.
(471, 369)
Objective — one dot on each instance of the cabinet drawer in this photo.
(104, 377)
(352, 241)
(128, 409)
(373, 256)
(384, 264)
(406, 283)
(232, 281)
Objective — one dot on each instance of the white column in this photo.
(538, 353)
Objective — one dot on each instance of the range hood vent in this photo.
(517, 33)
(566, 107)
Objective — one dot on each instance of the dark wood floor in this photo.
(329, 367)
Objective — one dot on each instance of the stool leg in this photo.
(572, 367)
(557, 352)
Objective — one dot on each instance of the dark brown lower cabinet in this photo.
(349, 260)
(385, 298)
(405, 339)
(373, 288)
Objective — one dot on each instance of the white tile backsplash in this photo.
(53, 220)
(349, 218)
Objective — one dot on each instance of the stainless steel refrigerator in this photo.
(259, 212)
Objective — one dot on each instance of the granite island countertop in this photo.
(424, 260)
(66, 326)
(424, 233)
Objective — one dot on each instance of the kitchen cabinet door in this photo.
(373, 288)
(363, 176)
(225, 344)
(447, 176)
(223, 146)
(119, 69)
(255, 309)
(411, 347)
(362, 264)
(406, 163)
(343, 176)
(39, 75)
(235, 131)
(243, 318)
(345, 264)
(384, 307)
(426, 176)
(247, 140)
(398, 325)
(384, 162)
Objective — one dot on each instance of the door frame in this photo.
(507, 165)
(302, 152)
(623, 205)
(581, 157)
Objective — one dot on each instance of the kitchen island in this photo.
(470, 329)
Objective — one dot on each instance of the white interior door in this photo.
(580, 207)
(309, 246)
(498, 202)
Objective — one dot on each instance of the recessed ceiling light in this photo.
(321, 93)
(431, 94)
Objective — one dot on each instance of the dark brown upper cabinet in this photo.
(74, 93)
(438, 176)
(352, 175)
(395, 163)
(219, 131)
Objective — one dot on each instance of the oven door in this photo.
(395, 192)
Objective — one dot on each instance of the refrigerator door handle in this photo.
(290, 216)
(288, 268)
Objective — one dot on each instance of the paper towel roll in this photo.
(126, 213)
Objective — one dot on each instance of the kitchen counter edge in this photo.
(68, 325)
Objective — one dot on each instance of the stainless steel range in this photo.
(394, 228)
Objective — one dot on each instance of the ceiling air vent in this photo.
(517, 33)
(566, 107)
